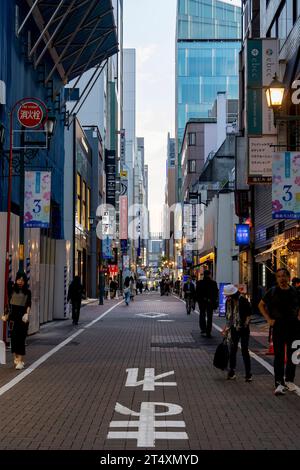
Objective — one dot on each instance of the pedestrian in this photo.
(281, 308)
(296, 283)
(207, 294)
(146, 287)
(238, 316)
(112, 287)
(162, 287)
(141, 287)
(20, 305)
(132, 286)
(189, 294)
(75, 294)
(127, 290)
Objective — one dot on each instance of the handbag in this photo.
(221, 356)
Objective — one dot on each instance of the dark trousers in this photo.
(75, 311)
(206, 316)
(284, 333)
(242, 334)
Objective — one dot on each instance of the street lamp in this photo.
(275, 93)
(49, 125)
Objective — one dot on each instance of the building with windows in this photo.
(208, 35)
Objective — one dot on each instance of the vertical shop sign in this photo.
(37, 199)
(286, 186)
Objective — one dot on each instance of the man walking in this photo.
(207, 297)
(281, 308)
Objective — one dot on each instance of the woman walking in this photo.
(238, 314)
(20, 305)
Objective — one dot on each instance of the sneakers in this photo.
(248, 378)
(280, 390)
(292, 387)
(231, 375)
(20, 365)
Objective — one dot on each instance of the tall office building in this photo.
(208, 34)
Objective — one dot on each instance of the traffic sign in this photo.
(30, 114)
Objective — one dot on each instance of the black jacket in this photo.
(75, 292)
(207, 290)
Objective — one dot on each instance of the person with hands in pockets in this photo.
(281, 308)
(20, 305)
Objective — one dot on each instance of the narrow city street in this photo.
(141, 377)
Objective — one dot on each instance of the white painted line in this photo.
(50, 353)
(257, 358)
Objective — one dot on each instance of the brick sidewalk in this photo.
(69, 401)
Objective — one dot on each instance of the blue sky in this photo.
(149, 27)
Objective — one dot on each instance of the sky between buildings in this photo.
(149, 27)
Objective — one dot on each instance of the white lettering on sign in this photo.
(296, 94)
(147, 424)
(150, 379)
(296, 354)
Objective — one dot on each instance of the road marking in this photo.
(151, 315)
(257, 358)
(170, 321)
(146, 424)
(50, 353)
(150, 379)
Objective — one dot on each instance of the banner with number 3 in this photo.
(286, 186)
(37, 199)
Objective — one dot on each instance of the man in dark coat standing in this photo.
(75, 293)
(207, 297)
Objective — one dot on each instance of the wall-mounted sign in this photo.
(286, 186)
(110, 170)
(262, 64)
(30, 114)
(242, 234)
(37, 197)
(222, 299)
(260, 156)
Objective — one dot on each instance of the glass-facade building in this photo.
(208, 41)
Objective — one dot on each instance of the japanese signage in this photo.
(110, 170)
(262, 63)
(286, 186)
(126, 262)
(30, 114)
(113, 270)
(37, 199)
(122, 148)
(242, 234)
(123, 217)
(107, 248)
(222, 299)
(260, 159)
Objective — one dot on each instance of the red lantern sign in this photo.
(30, 114)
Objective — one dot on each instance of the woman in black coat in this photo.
(20, 305)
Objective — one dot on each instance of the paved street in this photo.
(98, 390)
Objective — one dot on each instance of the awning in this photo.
(267, 254)
(78, 34)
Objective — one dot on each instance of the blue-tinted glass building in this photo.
(207, 45)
